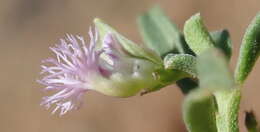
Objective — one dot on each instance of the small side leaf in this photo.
(199, 111)
(223, 42)
(196, 35)
(249, 51)
(159, 33)
(182, 62)
(129, 46)
(213, 71)
(185, 63)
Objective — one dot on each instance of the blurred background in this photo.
(29, 27)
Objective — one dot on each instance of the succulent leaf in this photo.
(249, 50)
(199, 109)
(159, 33)
(196, 35)
(182, 62)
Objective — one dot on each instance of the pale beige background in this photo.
(29, 27)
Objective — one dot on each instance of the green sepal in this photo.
(166, 77)
(249, 50)
(222, 41)
(159, 33)
(199, 109)
(129, 46)
(197, 35)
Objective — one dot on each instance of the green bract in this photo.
(132, 48)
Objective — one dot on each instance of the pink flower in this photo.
(80, 67)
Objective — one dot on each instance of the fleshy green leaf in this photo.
(182, 62)
(196, 35)
(222, 41)
(159, 33)
(129, 46)
(199, 111)
(213, 70)
(249, 50)
(251, 122)
(185, 63)
(228, 106)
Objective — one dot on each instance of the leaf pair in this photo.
(217, 97)
(210, 74)
(199, 39)
(222, 98)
